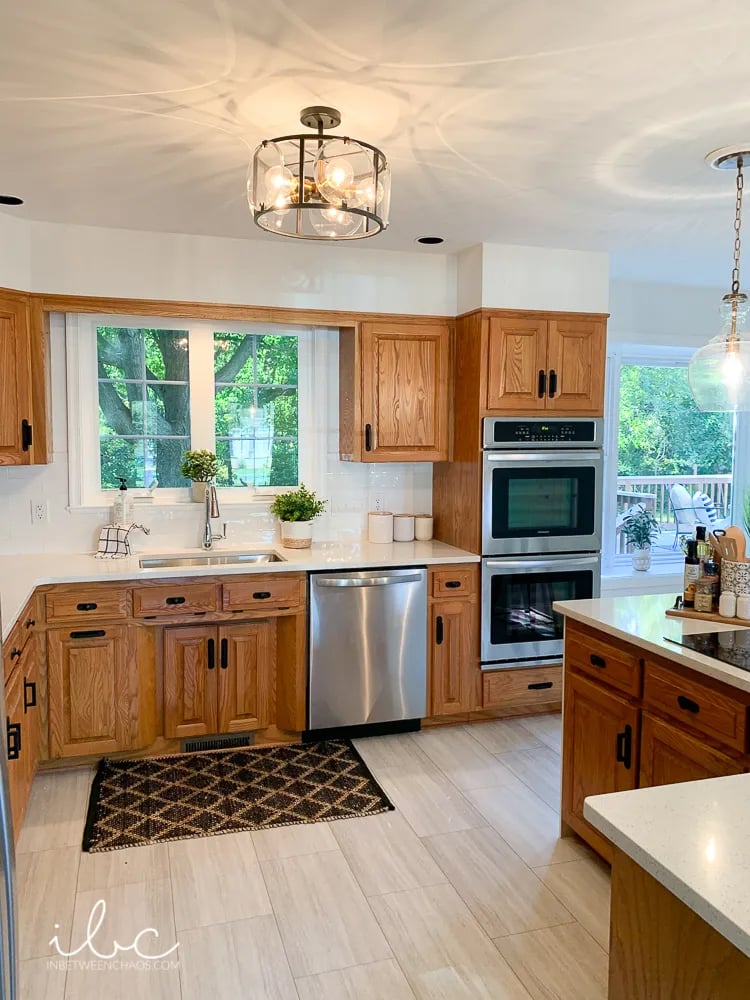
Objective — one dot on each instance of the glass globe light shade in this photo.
(279, 181)
(340, 168)
(719, 373)
(332, 223)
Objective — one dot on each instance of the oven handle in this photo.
(568, 457)
(565, 563)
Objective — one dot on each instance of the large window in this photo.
(143, 391)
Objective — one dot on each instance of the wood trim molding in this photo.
(486, 313)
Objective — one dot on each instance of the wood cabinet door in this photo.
(517, 364)
(600, 749)
(247, 660)
(405, 400)
(452, 648)
(190, 667)
(576, 354)
(17, 750)
(15, 381)
(92, 690)
(669, 756)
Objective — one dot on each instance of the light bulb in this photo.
(732, 369)
(279, 181)
(332, 222)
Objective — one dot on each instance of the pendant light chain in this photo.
(737, 228)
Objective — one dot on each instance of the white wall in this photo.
(15, 252)
(516, 277)
(656, 314)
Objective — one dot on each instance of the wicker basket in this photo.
(735, 577)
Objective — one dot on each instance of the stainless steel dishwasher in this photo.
(368, 647)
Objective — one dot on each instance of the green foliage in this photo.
(640, 527)
(200, 466)
(298, 505)
(662, 431)
(746, 510)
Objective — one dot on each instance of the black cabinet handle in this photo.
(439, 630)
(26, 435)
(86, 606)
(542, 383)
(14, 653)
(14, 739)
(29, 702)
(224, 654)
(597, 661)
(175, 600)
(211, 654)
(625, 747)
(687, 704)
(552, 383)
(29, 623)
(261, 595)
(368, 437)
(540, 686)
(92, 633)
(452, 584)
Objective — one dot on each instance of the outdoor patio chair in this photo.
(685, 517)
(708, 513)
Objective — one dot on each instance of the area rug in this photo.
(157, 799)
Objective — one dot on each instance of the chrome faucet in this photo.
(212, 510)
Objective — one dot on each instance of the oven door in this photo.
(519, 627)
(537, 502)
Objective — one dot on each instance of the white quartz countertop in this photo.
(694, 838)
(20, 574)
(642, 621)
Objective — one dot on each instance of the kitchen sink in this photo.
(216, 559)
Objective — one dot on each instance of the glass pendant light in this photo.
(719, 373)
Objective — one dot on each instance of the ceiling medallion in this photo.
(719, 373)
(318, 187)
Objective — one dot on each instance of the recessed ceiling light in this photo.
(429, 240)
(9, 199)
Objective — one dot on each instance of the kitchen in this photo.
(462, 386)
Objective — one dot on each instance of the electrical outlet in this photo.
(39, 512)
(378, 503)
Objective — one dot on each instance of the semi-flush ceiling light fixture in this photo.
(317, 187)
(719, 373)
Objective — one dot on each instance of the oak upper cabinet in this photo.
(453, 640)
(93, 691)
(576, 356)
(669, 756)
(394, 392)
(16, 427)
(516, 378)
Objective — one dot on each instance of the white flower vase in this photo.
(642, 559)
(199, 492)
(296, 534)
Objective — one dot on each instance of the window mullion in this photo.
(201, 374)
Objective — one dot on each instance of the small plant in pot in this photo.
(296, 511)
(200, 466)
(640, 528)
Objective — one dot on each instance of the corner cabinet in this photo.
(394, 397)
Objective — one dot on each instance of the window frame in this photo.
(84, 465)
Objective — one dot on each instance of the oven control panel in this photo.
(504, 432)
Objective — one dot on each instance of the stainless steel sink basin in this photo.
(223, 559)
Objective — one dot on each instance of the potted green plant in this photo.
(296, 511)
(201, 467)
(640, 528)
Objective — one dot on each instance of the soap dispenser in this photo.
(121, 511)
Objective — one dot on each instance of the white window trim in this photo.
(84, 491)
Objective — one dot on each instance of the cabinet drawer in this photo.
(526, 686)
(451, 581)
(719, 715)
(86, 603)
(608, 663)
(174, 599)
(260, 592)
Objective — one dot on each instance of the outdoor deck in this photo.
(653, 493)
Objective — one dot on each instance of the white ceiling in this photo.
(577, 124)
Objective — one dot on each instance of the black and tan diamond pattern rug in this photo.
(157, 799)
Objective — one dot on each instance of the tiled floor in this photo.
(465, 891)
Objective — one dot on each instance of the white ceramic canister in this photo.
(380, 527)
(743, 607)
(423, 527)
(728, 604)
(403, 528)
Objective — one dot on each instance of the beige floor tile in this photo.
(528, 825)
(464, 760)
(39, 980)
(289, 841)
(399, 750)
(102, 870)
(540, 769)
(56, 812)
(130, 909)
(376, 981)
(559, 963)
(216, 879)
(503, 735)
(324, 918)
(547, 728)
(428, 800)
(46, 887)
(385, 854)
(442, 949)
(244, 958)
(503, 893)
(584, 888)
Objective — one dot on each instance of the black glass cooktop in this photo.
(729, 647)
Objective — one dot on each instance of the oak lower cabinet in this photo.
(669, 756)
(600, 751)
(22, 706)
(453, 639)
(218, 679)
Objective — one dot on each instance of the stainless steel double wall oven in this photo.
(541, 532)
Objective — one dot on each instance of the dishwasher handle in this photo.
(373, 581)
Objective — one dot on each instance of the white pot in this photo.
(296, 534)
(199, 492)
(642, 559)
